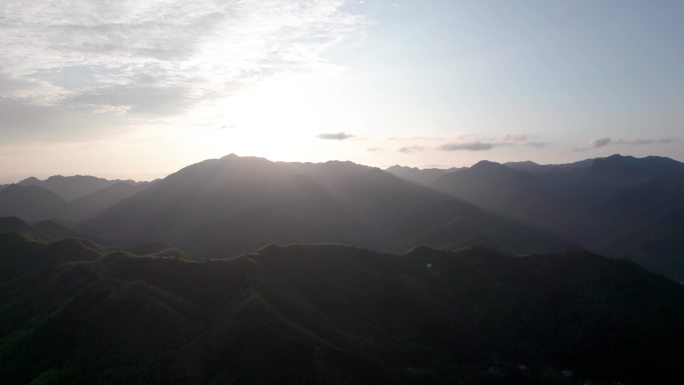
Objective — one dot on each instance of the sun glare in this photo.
(279, 118)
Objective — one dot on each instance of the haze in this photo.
(358, 192)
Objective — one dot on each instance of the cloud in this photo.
(126, 61)
(468, 146)
(637, 142)
(603, 142)
(335, 136)
(411, 149)
(485, 144)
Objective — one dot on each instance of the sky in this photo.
(140, 88)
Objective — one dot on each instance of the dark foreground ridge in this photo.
(73, 313)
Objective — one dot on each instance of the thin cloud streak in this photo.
(483, 144)
(468, 146)
(335, 136)
(604, 142)
(411, 149)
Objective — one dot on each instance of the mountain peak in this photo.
(655, 164)
(398, 167)
(486, 164)
(29, 181)
(524, 162)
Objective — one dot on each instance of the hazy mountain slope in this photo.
(406, 215)
(235, 204)
(331, 314)
(648, 224)
(31, 203)
(228, 204)
(73, 187)
(35, 200)
(620, 206)
(91, 204)
(605, 177)
(514, 193)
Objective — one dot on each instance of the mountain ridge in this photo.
(253, 201)
(585, 202)
(328, 311)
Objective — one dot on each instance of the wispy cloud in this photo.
(335, 136)
(411, 149)
(600, 142)
(637, 142)
(128, 61)
(468, 146)
(459, 143)
(604, 142)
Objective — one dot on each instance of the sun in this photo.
(280, 118)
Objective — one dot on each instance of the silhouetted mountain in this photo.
(235, 204)
(647, 224)
(73, 187)
(74, 314)
(43, 230)
(619, 205)
(31, 203)
(13, 225)
(53, 231)
(423, 176)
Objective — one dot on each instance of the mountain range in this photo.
(235, 204)
(482, 275)
(617, 206)
(67, 198)
(74, 312)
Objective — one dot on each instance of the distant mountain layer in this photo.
(71, 313)
(53, 199)
(233, 205)
(620, 206)
(73, 187)
(420, 176)
(31, 203)
(43, 230)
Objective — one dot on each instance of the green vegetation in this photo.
(72, 312)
